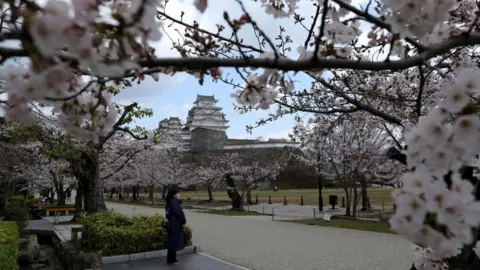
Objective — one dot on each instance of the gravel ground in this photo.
(267, 245)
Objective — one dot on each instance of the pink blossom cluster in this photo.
(71, 42)
(436, 216)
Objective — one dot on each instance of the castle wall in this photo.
(207, 139)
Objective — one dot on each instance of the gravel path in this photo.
(267, 245)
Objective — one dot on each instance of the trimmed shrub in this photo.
(17, 213)
(109, 234)
(17, 200)
(9, 245)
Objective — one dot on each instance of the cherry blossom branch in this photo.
(124, 164)
(376, 21)
(219, 37)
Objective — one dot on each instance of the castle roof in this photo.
(201, 98)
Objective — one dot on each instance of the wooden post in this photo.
(284, 200)
(314, 214)
(301, 200)
(256, 199)
(269, 199)
(343, 202)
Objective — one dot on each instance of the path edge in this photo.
(222, 261)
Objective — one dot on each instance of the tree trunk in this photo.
(347, 203)
(249, 196)
(355, 200)
(8, 188)
(58, 181)
(111, 193)
(138, 192)
(320, 189)
(363, 190)
(164, 192)
(150, 195)
(210, 193)
(232, 192)
(134, 193)
(79, 198)
(88, 173)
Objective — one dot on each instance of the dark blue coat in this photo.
(176, 220)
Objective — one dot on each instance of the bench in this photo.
(56, 210)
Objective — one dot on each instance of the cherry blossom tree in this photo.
(349, 151)
(429, 46)
(165, 166)
(249, 169)
(18, 158)
(208, 170)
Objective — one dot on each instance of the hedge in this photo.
(17, 211)
(9, 245)
(110, 234)
(17, 200)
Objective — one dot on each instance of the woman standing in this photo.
(176, 221)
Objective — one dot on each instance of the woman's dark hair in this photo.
(171, 192)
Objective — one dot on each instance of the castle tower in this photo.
(207, 124)
(206, 114)
(173, 127)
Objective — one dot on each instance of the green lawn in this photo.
(310, 196)
(231, 212)
(157, 205)
(352, 224)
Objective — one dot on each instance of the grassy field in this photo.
(378, 196)
(232, 213)
(361, 225)
(157, 205)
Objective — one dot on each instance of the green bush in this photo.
(17, 200)
(9, 244)
(111, 234)
(17, 213)
(30, 195)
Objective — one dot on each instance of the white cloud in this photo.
(172, 110)
(281, 134)
(149, 89)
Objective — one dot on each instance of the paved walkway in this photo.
(267, 245)
(197, 261)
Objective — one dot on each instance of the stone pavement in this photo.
(266, 245)
(64, 232)
(197, 261)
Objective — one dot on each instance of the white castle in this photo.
(206, 128)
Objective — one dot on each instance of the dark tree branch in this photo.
(136, 137)
(418, 103)
(322, 30)
(312, 27)
(295, 65)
